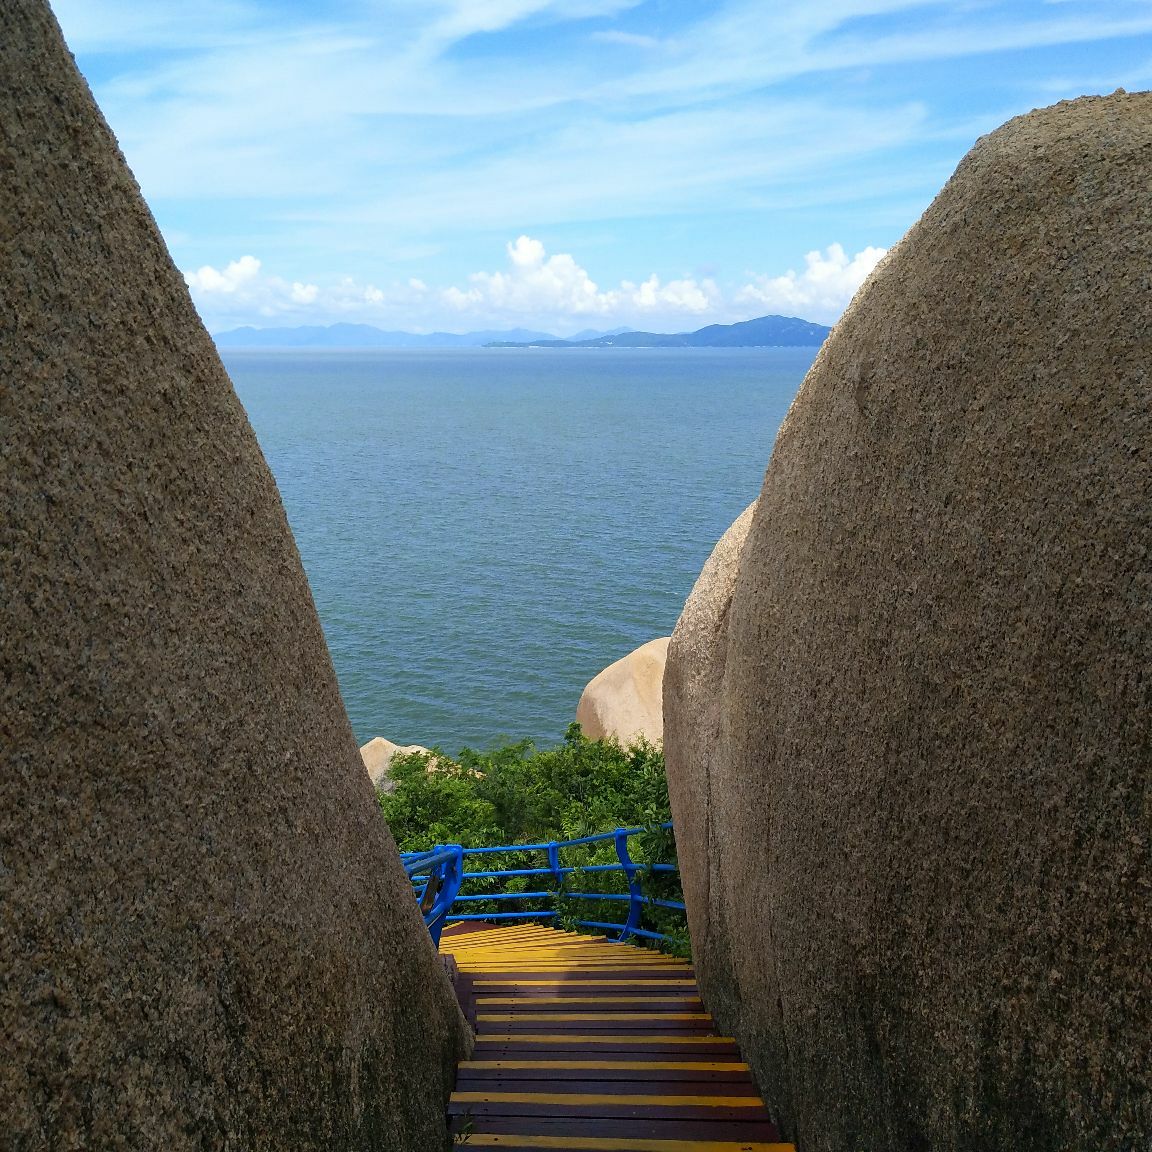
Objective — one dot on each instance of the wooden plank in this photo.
(591, 967)
(554, 940)
(566, 1089)
(631, 1038)
(498, 1111)
(665, 1074)
(664, 1009)
(592, 1017)
(477, 946)
(470, 1067)
(592, 982)
(570, 948)
(547, 936)
(554, 943)
(590, 1099)
(551, 968)
(617, 1051)
(519, 1143)
(531, 993)
(638, 1033)
(618, 1127)
(654, 1067)
(562, 1077)
(639, 1039)
(528, 1044)
(534, 999)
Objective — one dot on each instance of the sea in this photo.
(486, 529)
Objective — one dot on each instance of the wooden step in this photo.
(590, 1046)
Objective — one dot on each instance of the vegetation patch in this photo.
(518, 794)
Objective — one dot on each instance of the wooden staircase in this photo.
(591, 1046)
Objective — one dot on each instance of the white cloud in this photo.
(821, 292)
(688, 295)
(535, 282)
(534, 289)
(463, 18)
(242, 287)
(629, 39)
(234, 277)
(304, 293)
(540, 286)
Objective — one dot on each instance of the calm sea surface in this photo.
(486, 529)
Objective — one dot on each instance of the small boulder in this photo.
(378, 755)
(625, 700)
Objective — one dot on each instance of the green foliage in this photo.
(517, 794)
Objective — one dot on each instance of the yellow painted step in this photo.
(538, 953)
(606, 981)
(564, 1038)
(573, 1098)
(611, 1065)
(574, 974)
(634, 998)
(542, 946)
(526, 964)
(620, 1144)
(586, 1017)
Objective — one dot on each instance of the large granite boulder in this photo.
(925, 857)
(625, 701)
(206, 937)
(693, 682)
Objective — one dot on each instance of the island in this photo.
(763, 332)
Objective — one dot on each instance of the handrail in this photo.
(441, 871)
(438, 874)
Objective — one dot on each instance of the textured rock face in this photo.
(206, 938)
(929, 811)
(378, 755)
(625, 700)
(693, 680)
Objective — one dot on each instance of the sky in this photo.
(564, 165)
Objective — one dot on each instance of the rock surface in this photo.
(206, 938)
(693, 681)
(625, 701)
(378, 755)
(927, 907)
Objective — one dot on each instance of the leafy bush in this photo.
(517, 794)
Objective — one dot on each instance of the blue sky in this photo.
(565, 164)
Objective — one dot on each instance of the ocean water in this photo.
(486, 529)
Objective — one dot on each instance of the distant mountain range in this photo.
(765, 332)
(366, 336)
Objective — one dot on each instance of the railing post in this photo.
(553, 851)
(636, 896)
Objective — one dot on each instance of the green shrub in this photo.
(517, 794)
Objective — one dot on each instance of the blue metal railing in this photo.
(438, 875)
